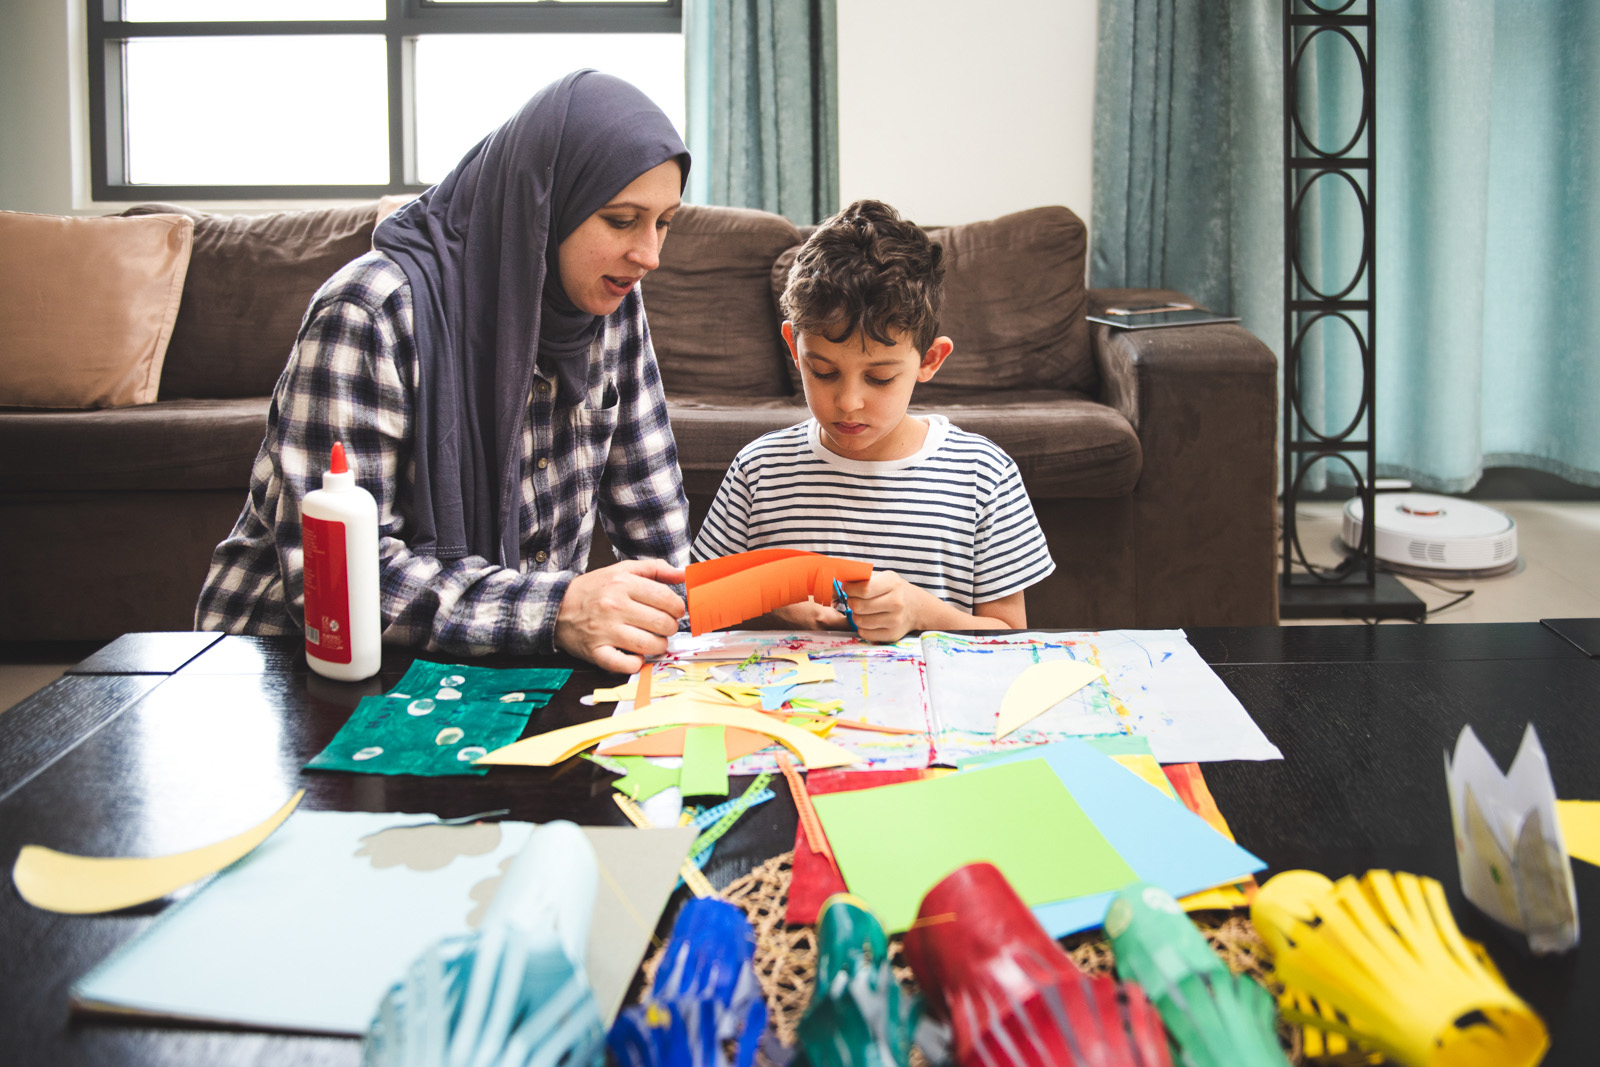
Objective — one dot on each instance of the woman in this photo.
(489, 370)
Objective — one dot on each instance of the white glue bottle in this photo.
(339, 530)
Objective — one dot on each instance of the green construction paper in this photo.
(643, 779)
(895, 842)
(705, 762)
(438, 719)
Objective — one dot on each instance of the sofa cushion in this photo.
(712, 318)
(89, 307)
(1014, 304)
(1065, 444)
(250, 281)
(173, 444)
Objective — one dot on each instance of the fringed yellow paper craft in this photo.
(726, 591)
(1383, 958)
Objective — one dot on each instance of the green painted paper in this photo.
(705, 762)
(896, 842)
(438, 719)
(454, 681)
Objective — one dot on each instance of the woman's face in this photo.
(619, 244)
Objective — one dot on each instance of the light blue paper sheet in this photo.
(305, 935)
(1163, 841)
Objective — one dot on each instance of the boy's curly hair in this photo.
(867, 271)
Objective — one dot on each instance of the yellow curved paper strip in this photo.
(1580, 828)
(685, 709)
(1040, 688)
(86, 885)
(1384, 954)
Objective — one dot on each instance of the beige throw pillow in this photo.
(88, 306)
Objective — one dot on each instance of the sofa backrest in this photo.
(712, 317)
(250, 280)
(1015, 298)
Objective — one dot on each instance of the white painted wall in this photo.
(955, 111)
(951, 111)
(41, 65)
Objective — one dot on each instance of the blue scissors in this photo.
(841, 603)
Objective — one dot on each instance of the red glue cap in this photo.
(338, 465)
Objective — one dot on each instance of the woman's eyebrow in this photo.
(638, 207)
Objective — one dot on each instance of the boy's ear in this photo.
(934, 358)
(788, 339)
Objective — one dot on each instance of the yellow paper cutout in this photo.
(1040, 688)
(684, 709)
(1580, 828)
(1384, 957)
(87, 885)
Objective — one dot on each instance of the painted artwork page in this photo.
(1155, 685)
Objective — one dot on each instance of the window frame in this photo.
(403, 22)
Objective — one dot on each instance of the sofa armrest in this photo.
(1204, 402)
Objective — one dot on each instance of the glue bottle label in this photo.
(327, 590)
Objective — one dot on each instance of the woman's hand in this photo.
(615, 616)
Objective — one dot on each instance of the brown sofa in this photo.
(1149, 456)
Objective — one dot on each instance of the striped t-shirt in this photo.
(953, 518)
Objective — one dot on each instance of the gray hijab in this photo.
(480, 252)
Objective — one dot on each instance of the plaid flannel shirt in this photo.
(352, 378)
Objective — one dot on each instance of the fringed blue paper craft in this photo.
(705, 994)
(514, 992)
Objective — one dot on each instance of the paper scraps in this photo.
(731, 589)
(1040, 688)
(86, 885)
(1509, 849)
(685, 709)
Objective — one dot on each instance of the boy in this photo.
(940, 513)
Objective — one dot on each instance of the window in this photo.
(256, 99)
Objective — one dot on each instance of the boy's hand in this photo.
(616, 615)
(809, 615)
(886, 607)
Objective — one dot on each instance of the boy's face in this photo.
(858, 391)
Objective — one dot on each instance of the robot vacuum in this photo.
(1429, 536)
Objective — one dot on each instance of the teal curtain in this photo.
(1489, 239)
(1188, 156)
(1488, 209)
(763, 105)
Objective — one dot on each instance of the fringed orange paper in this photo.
(730, 589)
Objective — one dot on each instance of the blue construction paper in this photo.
(1163, 841)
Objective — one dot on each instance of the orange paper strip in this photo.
(810, 824)
(730, 589)
(669, 742)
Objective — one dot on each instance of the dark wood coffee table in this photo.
(161, 742)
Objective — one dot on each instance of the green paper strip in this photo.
(644, 779)
(705, 762)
